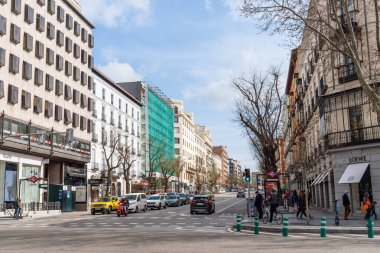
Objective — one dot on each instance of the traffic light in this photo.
(247, 175)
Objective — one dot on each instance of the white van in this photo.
(137, 202)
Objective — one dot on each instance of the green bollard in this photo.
(285, 229)
(323, 227)
(257, 228)
(370, 228)
(238, 222)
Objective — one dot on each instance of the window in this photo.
(75, 119)
(2, 57)
(38, 77)
(51, 6)
(69, 45)
(90, 104)
(28, 42)
(91, 41)
(103, 94)
(67, 117)
(50, 31)
(3, 25)
(126, 108)
(83, 100)
(58, 88)
(3, 2)
(1, 89)
(119, 103)
(60, 38)
(90, 61)
(59, 63)
(68, 94)
(83, 123)
(15, 34)
(176, 140)
(175, 119)
(26, 70)
(41, 2)
(14, 62)
(16, 6)
(58, 113)
(12, 94)
(69, 22)
(48, 109)
(76, 28)
(133, 112)
(37, 105)
(49, 56)
(49, 82)
(84, 35)
(90, 82)
(84, 56)
(112, 122)
(111, 99)
(83, 78)
(29, 14)
(40, 23)
(60, 14)
(176, 130)
(26, 102)
(39, 50)
(76, 51)
(76, 74)
(76, 96)
(68, 68)
(90, 126)
(177, 151)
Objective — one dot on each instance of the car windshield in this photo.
(191, 195)
(182, 195)
(172, 197)
(131, 197)
(154, 197)
(200, 199)
(103, 200)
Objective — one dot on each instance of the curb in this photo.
(312, 230)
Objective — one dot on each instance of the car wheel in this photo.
(191, 212)
(93, 212)
(109, 210)
(178, 204)
(165, 206)
(159, 207)
(136, 209)
(145, 208)
(151, 208)
(103, 211)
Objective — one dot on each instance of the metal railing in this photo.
(353, 137)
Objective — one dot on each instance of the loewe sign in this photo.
(357, 159)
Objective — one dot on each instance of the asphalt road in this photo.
(167, 230)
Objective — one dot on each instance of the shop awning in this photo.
(324, 175)
(316, 179)
(353, 173)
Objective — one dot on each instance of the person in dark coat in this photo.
(259, 204)
(346, 204)
(274, 203)
(301, 205)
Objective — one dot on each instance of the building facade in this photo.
(116, 118)
(222, 152)
(45, 89)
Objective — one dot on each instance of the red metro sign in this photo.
(272, 174)
(34, 179)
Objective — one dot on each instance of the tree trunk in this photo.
(306, 198)
(126, 178)
(108, 184)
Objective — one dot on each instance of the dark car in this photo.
(240, 194)
(173, 200)
(202, 203)
(184, 198)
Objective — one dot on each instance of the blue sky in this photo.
(190, 49)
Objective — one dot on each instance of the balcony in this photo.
(120, 126)
(112, 122)
(347, 73)
(104, 118)
(353, 137)
(95, 167)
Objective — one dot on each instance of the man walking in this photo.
(17, 209)
(259, 204)
(346, 204)
(274, 203)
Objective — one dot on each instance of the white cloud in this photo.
(234, 6)
(120, 72)
(208, 5)
(113, 13)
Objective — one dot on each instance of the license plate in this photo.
(98, 209)
(199, 204)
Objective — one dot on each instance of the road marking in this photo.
(214, 223)
(102, 223)
(133, 223)
(195, 218)
(117, 223)
(180, 218)
(88, 223)
(228, 206)
(165, 223)
(148, 223)
(197, 223)
(180, 223)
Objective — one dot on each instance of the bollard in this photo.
(285, 229)
(238, 222)
(323, 227)
(370, 228)
(257, 228)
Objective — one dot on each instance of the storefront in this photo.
(76, 175)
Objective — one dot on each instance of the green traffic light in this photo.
(247, 179)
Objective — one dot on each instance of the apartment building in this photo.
(45, 89)
(222, 153)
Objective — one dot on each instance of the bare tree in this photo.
(347, 40)
(128, 158)
(167, 169)
(179, 165)
(213, 177)
(110, 156)
(258, 111)
(156, 156)
(199, 175)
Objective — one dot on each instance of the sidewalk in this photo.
(355, 225)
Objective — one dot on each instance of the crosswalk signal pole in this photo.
(247, 175)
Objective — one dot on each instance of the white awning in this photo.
(316, 179)
(324, 175)
(353, 173)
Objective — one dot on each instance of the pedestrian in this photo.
(20, 208)
(274, 202)
(346, 204)
(294, 199)
(258, 204)
(286, 199)
(301, 205)
(373, 209)
(365, 206)
(16, 208)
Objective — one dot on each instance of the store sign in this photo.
(34, 179)
(96, 181)
(75, 171)
(358, 159)
(43, 186)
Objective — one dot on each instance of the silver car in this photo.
(156, 201)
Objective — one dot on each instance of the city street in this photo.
(167, 230)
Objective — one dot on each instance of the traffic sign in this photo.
(34, 179)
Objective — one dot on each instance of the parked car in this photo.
(191, 196)
(170, 193)
(202, 203)
(174, 200)
(156, 201)
(104, 205)
(137, 201)
(240, 194)
(184, 199)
